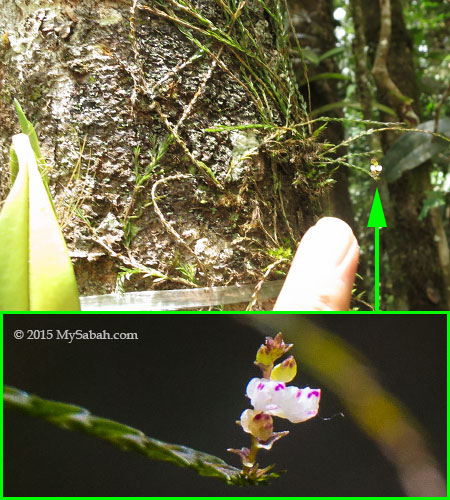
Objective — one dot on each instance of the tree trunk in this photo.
(421, 281)
(124, 94)
(314, 26)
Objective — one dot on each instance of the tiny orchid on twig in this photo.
(271, 397)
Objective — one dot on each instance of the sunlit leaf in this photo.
(13, 165)
(28, 129)
(35, 269)
(14, 249)
(331, 52)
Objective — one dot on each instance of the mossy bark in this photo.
(102, 79)
(314, 24)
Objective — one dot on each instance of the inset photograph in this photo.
(225, 405)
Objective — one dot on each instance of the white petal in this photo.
(274, 398)
(262, 392)
(246, 418)
(300, 405)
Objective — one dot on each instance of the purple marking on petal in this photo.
(279, 386)
(260, 386)
(314, 393)
(299, 393)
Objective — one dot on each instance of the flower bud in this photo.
(263, 357)
(285, 371)
(258, 424)
(273, 349)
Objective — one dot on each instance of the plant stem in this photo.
(72, 417)
(251, 457)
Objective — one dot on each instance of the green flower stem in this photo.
(251, 459)
(74, 417)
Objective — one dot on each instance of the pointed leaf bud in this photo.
(273, 349)
(277, 347)
(285, 371)
(263, 357)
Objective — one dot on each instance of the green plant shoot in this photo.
(36, 273)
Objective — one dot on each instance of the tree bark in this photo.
(124, 93)
(314, 24)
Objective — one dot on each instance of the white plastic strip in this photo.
(170, 300)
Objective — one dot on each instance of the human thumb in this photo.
(323, 271)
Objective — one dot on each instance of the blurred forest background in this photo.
(340, 40)
(111, 139)
(183, 381)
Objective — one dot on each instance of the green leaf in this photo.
(28, 129)
(414, 148)
(326, 76)
(72, 417)
(335, 105)
(317, 132)
(13, 164)
(434, 199)
(222, 128)
(311, 56)
(14, 266)
(384, 108)
(331, 52)
(36, 273)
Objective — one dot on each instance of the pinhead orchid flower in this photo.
(277, 399)
(271, 397)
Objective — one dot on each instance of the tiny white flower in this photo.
(376, 168)
(272, 397)
(299, 405)
(257, 423)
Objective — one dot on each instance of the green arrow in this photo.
(377, 220)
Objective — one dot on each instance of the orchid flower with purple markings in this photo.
(271, 397)
(277, 399)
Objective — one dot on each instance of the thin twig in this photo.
(261, 282)
(204, 168)
(380, 70)
(169, 228)
(439, 107)
(132, 263)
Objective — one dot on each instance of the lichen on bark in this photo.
(196, 96)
